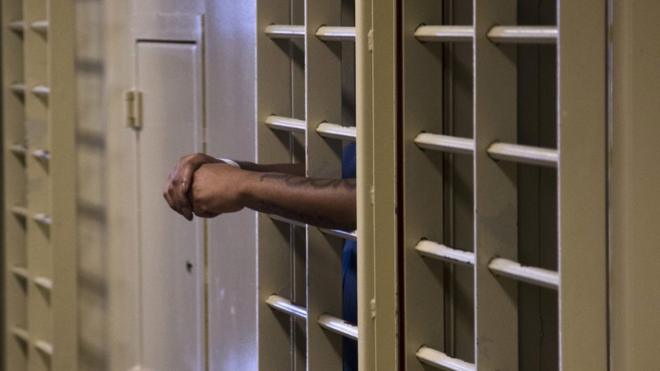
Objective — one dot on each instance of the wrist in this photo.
(246, 187)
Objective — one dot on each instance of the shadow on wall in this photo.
(93, 298)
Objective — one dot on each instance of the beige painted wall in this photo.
(107, 259)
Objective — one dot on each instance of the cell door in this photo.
(168, 102)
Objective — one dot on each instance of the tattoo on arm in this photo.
(296, 181)
(309, 217)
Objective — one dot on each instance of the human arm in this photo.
(180, 179)
(328, 203)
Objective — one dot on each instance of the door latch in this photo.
(134, 109)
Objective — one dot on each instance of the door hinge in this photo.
(134, 109)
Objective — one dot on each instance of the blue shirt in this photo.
(349, 271)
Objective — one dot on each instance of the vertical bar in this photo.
(377, 184)
(582, 113)
(423, 182)
(273, 240)
(324, 275)
(62, 116)
(14, 353)
(365, 212)
(39, 247)
(495, 118)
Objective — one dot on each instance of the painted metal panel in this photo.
(171, 249)
(634, 182)
(582, 115)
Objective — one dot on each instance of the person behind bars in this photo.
(204, 186)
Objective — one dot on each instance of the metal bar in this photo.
(523, 34)
(20, 272)
(532, 275)
(18, 88)
(496, 197)
(17, 26)
(20, 211)
(524, 154)
(282, 219)
(447, 254)
(43, 219)
(280, 31)
(286, 124)
(323, 99)
(41, 154)
(423, 183)
(44, 347)
(40, 26)
(338, 326)
(18, 149)
(583, 178)
(327, 33)
(341, 234)
(275, 92)
(284, 305)
(437, 359)
(445, 143)
(20, 334)
(44, 282)
(444, 33)
(334, 131)
(41, 91)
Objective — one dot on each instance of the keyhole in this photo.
(189, 266)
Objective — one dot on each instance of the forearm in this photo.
(293, 169)
(327, 203)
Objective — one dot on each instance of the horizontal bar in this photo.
(338, 326)
(44, 347)
(444, 33)
(20, 334)
(18, 149)
(40, 26)
(524, 154)
(20, 272)
(447, 254)
(44, 282)
(41, 91)
(282, 219)
(284, 305)
(532, 275)
(432, 357)
(41, 154)
(445, 143)
(334, 131)
(281, 31)
(327, 33)
(286, 124)
(333, 232)
(17, 26)
(523, 34)
(43, 219)
(20, 211)
(18, 88)
(339, 233)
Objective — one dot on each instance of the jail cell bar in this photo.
(323, 149)
(39, 182)
(580, 160)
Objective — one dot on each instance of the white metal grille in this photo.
(493, 149)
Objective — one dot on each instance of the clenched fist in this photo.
(217, 189)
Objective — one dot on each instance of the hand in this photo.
(218, 189)
(180, 179)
